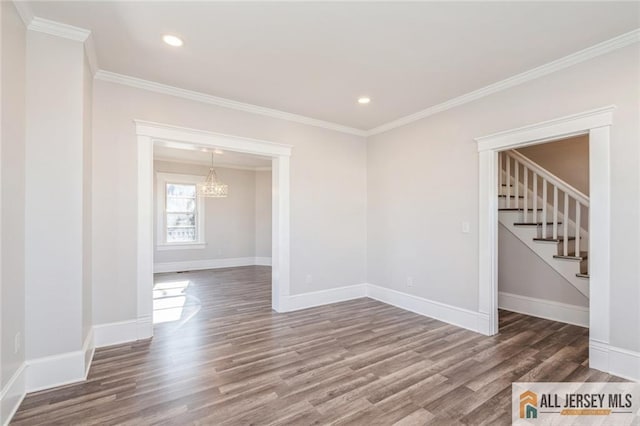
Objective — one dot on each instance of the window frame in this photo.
(162, 179)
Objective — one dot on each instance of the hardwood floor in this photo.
(230, 360)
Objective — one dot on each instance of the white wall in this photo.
(263, 214)
(524, 273)
(423, 183)
(56, 138)
(328, 192)
(12, 155)
(230, 223)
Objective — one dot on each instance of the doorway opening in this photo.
(596, 124)
(154, 234)
(206, 248)
(543, 234)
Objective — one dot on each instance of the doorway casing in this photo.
(597, 124)
(150, 134)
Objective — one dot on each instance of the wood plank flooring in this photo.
(227, 359)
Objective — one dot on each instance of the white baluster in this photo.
(516, 185)
(500, 173)
(577, 245)
(526, 193)
(535, 197)
(508, 196)
(565, 244)
(544, 208)
(555, 212)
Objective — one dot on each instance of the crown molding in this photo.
(153, 86)
(25, 12)
(551, 67)
(59, 29)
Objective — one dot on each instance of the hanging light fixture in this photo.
(212, 187)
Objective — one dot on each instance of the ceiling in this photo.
(202, 156)
(316, 58)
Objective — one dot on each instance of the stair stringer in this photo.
(566, 268)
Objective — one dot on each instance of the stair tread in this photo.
(572, 256)
(533, 223)
(581, 275)
(555, 240)
(510, 196)
(516, 209)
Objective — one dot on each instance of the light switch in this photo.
(466, 228)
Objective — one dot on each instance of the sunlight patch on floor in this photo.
(169, 299)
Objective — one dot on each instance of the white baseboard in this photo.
(116, 333)
(62, 369)
(325, 297)
(464, 318)
(556, 311)
(145, 327)
(196, 265)
(624, 363)
(12, 394)
(614, 360)
(598, 355)
(262, 261)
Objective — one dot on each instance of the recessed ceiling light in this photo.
(172, 40)
(364, 100)
(218, 151)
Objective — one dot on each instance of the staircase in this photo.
(547, 214)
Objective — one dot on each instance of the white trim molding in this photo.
(549, 68)
(59, 29)
(116, 333)
(325, 297)
(165, 89)
(12, 394)
(563, 127)
(262, 261)
(151, 134)
(197, 265)
(596, 123)
(541, 71)
(61, 369)
(450, 314)
(547, 309)
(614, 360)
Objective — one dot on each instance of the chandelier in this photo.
(212, 187)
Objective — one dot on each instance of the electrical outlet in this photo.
(309, 279)
(409, 281)
(16, 342)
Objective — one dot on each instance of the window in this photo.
(180, 213)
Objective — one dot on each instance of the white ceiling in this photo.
(227, 158)
(315, 59)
